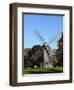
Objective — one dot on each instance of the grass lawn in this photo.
(43, 70)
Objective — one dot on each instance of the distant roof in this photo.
(26, 50)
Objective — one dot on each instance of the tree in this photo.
(59, 51)
(27, 62)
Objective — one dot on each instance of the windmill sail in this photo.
(39, 36)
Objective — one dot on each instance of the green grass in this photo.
(43, 70)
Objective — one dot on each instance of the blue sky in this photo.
(49, 27)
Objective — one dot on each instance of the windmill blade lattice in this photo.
(39, 36)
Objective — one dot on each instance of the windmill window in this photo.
(46, 63)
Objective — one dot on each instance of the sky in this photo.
(48, 26)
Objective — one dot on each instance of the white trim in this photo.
(45, 77)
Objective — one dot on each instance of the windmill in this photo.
(47, 52)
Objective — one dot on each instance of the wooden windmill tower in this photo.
(47, 52)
